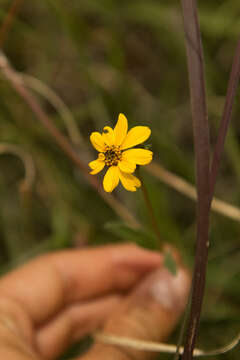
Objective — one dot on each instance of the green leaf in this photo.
(141, 236)
(170, 263)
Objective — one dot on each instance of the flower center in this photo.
(112, 155)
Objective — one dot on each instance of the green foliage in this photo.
(104, 57)
(170, 263)
(138, 236)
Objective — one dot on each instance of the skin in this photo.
(51, 302)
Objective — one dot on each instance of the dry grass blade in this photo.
(161, 347)
(182, 186)
(44, 90)
(29, 167)
(227, 113)
(201, 142)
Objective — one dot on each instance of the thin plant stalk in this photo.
(183, 326)
(151, 346)
(195, 65)
(201, 143)
(150, 209)
(8, 21)
(185, 188)
(226, 117)
(54, 99)
(28, 163)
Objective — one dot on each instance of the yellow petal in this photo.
(126, 166)
(108, 136)
(120, 130)
(96, 166)
(111, 179)
(135, 136)
(129, 181)
(138, 156)
(101, 156)
(97, 141)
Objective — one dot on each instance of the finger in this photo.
(15, 344)
(149, 313)
(44, 286)
(75, 322)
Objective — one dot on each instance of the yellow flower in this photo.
(112, 145)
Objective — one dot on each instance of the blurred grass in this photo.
(104, 57)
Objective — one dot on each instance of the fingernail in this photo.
(171, 291)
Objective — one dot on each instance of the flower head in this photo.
(113, 147)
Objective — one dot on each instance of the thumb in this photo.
(149, 313)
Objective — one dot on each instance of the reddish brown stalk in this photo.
(226, 117)
(8, 20)
(201, 143)
(205, 189)
(60, 139)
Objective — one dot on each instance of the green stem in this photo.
(150, 209)
(183, 326)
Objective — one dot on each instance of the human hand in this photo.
(56, 299)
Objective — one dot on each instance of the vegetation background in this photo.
(103, 57)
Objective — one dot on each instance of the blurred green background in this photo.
(103, 57)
